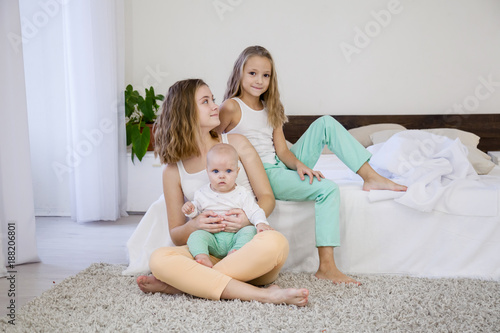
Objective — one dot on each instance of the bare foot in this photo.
(203, 259)
(382, 183)
(150, 284)
(374, 181)
(298, 297)
(232, 251)
(336, 277)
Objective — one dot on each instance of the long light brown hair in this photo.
(271, 98)
(177, 129)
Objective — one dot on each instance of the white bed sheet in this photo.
(388, 238)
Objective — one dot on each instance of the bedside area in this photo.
(144, 182)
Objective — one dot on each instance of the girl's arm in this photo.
(255, 172)
(229, 115)
(174, 199)
(289, 159)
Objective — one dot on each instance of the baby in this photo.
(220, 195)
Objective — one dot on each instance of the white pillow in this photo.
(480, 161)
(467, 138)
(362, 134)
(383, 136)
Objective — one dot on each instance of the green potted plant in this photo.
(140, 115)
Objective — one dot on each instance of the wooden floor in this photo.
(65, 248)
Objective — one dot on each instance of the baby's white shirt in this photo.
(206, 199)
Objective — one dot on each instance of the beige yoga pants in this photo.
(257, 262)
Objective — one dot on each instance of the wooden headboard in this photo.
(486, 126)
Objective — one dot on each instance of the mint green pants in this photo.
(219, 244)
(288, 186)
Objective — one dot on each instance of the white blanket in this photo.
(437, 172)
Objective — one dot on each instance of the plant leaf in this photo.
(133, 130)
(147, 109)
(130, 100)
(140, 143)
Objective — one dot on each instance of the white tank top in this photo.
(253, 124)
(190, 182)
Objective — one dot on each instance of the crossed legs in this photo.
(259, 261)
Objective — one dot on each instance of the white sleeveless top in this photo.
(190, 182)
(253, 124)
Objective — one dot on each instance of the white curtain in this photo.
(74, 58)
(17, 214)
(94, 90)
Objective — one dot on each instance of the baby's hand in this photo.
(263, 227)
(187, 208)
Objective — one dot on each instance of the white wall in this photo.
(425, 58)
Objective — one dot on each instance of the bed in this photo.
(381, 236)
(386, 237)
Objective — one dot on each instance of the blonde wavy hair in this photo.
(177, 129)
(271, 98)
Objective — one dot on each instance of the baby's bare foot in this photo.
(150, 284)
(290, 296)
(204, 259)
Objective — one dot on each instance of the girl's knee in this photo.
(328, 186)
(327, 121)
(160, 257)
(330, 121)
(157, 258)
(274, 236)
(329, 192)
(274, 241)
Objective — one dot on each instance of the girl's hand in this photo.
(263, 227)
(235, 219)
(302, 170)
(209, 221)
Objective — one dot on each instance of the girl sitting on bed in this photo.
(184, 135)
(252, 107)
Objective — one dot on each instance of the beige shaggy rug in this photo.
(100, 299)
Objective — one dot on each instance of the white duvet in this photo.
(437, 172)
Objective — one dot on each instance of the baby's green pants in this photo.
(221, 243)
